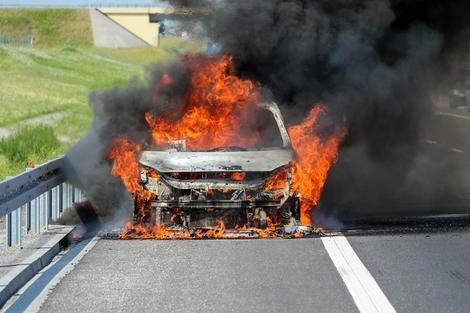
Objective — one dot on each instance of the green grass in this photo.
(30, 143)
(48, 86)
(49, 28)
(35, 82)
(51, 86)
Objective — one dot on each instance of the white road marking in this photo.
(41, 298)
(465, 117)
(363, 288)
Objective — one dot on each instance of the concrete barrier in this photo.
(22, 272)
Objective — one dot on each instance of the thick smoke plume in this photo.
(377, 62)
(119, 112)
(374, 62)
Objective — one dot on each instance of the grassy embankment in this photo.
(44, 90)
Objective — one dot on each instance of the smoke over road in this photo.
(378, 63)
(374, 62)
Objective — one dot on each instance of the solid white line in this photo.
(363, 288)
(41, 298)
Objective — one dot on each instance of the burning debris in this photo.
(132, 231)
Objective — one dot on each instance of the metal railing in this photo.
(31, 199)
(23, 42)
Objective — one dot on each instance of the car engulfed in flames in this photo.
(219, 161)
(239, 186)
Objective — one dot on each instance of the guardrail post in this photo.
(71, 196)
(49, 204)
(67, 196)
(35, 216)
(28, 216)
(39, 213)
(80, 196)
(77, 195)
(55, 203)
(61, 198)
(64, 197)
(13, 228)
(43, 211)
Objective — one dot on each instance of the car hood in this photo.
(217, 161)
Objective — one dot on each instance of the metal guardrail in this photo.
(23, 42)
(31, 199)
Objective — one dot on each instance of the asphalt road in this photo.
(203, 276)
(372, 270)
(420, 273)
(423, 272)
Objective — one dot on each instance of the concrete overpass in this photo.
(116, 27)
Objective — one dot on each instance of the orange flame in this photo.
(124, 153)
(315, 156)
(153, 173)
(277, 181)
(238, 176)
(217, 105)
(139, 231)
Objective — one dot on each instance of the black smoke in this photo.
(119, 112)
(378, 63)
(335, 52)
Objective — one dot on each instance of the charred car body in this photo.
(241, 186)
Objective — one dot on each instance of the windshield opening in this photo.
(254, 130)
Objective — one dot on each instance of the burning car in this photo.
(241, 186)
(219, 157)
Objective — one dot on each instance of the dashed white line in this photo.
(365, 291)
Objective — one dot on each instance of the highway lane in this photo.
(422, 269)
(417, 272)
(203, 276)
(426, 272)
